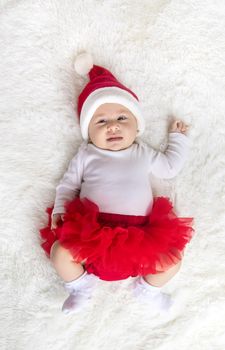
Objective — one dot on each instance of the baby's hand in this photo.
(178, 126)
(55, 220)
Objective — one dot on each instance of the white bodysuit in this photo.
(118, 181)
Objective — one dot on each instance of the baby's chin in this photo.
(113, 145)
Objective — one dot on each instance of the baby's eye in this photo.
(122, 117)
(101, 121)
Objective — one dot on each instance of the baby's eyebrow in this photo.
(118, 111)
(100, 115)
(122, 111)
(105, 114)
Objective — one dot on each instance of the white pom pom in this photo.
(83, 63)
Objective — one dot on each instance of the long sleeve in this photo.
(168, 164)
(70, 184)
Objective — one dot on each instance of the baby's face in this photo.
(113, 127)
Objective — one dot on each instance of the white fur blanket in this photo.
(172, 54)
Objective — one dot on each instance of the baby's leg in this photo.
(161, 278)
(77, 282)
(64, 263)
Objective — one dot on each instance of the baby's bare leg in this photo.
(64, 263)
(159, 279)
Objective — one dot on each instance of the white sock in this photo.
(71, 285)
(153, 289)
(151, 295)
(80, 291)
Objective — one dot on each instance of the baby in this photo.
(105, 222)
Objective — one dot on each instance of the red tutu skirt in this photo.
(116, 247)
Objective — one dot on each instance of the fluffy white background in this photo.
(172, 54)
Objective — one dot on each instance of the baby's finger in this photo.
(53, 231)
(185, 130)
(53, 225)
(180, 125)
(173, 126)
(185, 126)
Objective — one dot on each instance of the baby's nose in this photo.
(113, 125)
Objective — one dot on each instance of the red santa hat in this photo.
(102, 88)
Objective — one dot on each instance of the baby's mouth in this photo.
(114, 138)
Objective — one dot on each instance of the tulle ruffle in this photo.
(115, 246)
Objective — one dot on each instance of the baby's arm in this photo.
(68, 188)
(168, 164)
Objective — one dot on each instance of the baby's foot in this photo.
(152, 296)
(75, 303)
(80, 291)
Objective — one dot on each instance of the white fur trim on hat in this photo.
(109, 95)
